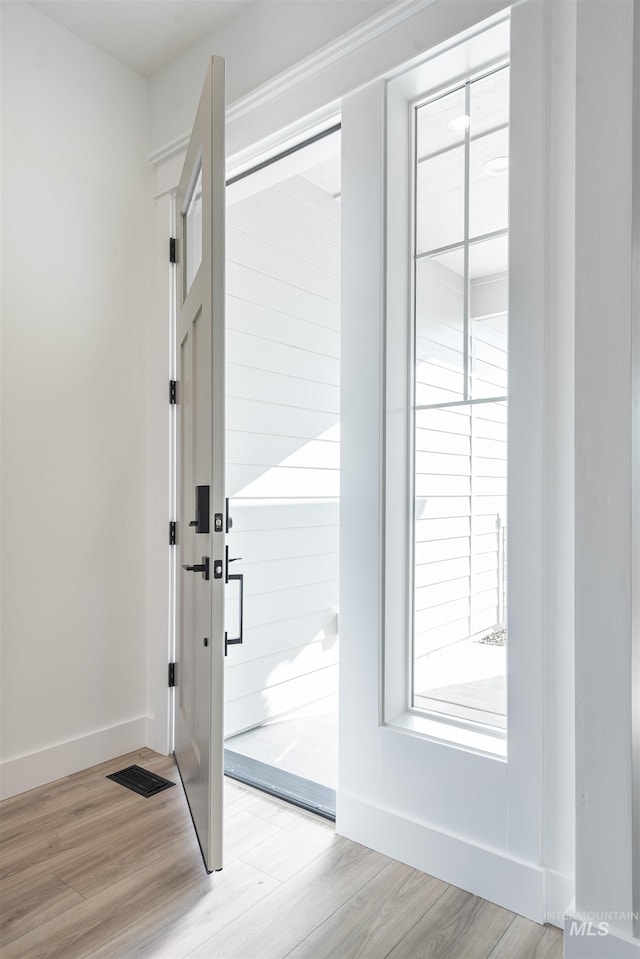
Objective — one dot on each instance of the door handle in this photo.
(239, 578)
(202, 567)
(236, 640)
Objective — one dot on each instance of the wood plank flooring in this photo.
(90, 869)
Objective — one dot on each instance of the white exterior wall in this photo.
(75, 204)
(283, 447)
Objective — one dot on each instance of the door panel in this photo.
(201, 457)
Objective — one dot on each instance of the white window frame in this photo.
(456, 715)
(484, 52)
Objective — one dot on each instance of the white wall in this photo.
(559, 731)
(605, 497)
(257, 45)
(74, 238)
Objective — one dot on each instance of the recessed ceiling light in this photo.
(497, 166)
(459, 124)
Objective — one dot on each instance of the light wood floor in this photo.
(88, 868)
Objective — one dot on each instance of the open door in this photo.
(201, 519)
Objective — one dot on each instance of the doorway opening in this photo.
(283, 471)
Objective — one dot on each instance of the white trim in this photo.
(311, 88)
(528, 512)
(327, 57)
(560, 892)
(508, 882)
(558, 783)
(604, 494)
(169, 150)
(635, 479)
(46, 765)
(482, 48)
(159, 506)
(489, 741)
(168, 168)
(168, 161)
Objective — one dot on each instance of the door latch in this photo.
(223, 524)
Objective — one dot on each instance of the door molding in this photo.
(376, 48)
(329, 57)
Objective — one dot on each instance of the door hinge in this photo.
(172, 250)
(172, 532)
(172, 674)
(173, 392)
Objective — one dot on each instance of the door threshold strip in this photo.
(281, 784)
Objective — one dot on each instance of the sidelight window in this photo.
(460, 401)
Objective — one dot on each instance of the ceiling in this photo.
(142, 34)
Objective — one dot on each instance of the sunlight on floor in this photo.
(303, 742)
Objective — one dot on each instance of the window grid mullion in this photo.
(451, 247)
(465, 307)
(456, 146)
(467, 341)
(412, 567)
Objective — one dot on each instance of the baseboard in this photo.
(158, 735)
(509, 883)
(46, 765)
(560, 895)
(592, 940)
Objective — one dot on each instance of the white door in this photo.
(202, 522)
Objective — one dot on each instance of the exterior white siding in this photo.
(283, 452)
(460, 462)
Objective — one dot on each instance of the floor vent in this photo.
(141, 781)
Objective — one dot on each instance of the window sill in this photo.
(447, 731)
